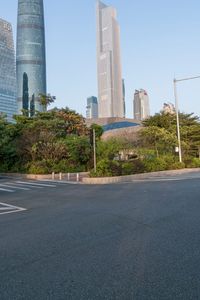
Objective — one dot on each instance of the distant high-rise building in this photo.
(110, 91)
(92, 108)
(169, 108)
(8, 104)
(31, 61)
(141, 105)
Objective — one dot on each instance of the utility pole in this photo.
(177, 122)
(94, 150)
(177, 112)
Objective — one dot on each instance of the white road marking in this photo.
(14, 186)
(10, 209)
(28, 184)
(36, 184)
(159, 179)
(6, 190)
(61, 182)
(5, 208)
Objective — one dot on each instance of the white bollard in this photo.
(60, 176)
(77, 177)
(53, 176)
(68, 176)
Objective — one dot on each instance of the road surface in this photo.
(138, 240)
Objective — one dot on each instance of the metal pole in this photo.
(177, 121)
(94, 150)
(188, 78)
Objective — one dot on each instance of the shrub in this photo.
(106, 167)
(195, 163)
(133, 167)
(155, 164)
(65, 166)
(177, 165)
(127, 168)
(38, 167)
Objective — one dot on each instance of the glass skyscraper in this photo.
(110, 91)
(31, 60)
(92, 108)
(8, 104)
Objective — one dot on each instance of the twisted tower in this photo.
(31, 60)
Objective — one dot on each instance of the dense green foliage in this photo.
(57, 140)
(60, 141)
(160, 134)
(155, 147)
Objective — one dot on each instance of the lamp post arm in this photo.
(188, 78)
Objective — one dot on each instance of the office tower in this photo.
(124, 96)
(31, 61)
(110, 89)
(8, 104)
(141, 105)
(169, 108)
(92, 108)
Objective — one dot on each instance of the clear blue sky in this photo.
(159, 39)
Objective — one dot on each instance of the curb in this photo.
(160, 174)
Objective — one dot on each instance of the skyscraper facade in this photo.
(92, 108)
(110, 91)
(31, 60)
(141, 105)
(8, 104)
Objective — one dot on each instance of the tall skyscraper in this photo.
(8, 104)
(141, 105)
(92, 108)
(31, 61)
(110, 89)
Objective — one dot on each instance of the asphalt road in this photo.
(126, 241)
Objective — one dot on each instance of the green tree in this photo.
(189, 131)
(159, 139)
(46, 100)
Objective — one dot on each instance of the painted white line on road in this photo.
(6, 190)
(5, 208)
(29, 185)
(14, 186)
(158, 179)
(10, 209)
(61, 181)
(36, 184)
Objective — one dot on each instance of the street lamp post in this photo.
(177, 122)
(94, 150)
(177, 112)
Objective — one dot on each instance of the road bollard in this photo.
(53, 176)
(68, 176)
(77, 177)
(60, 176)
